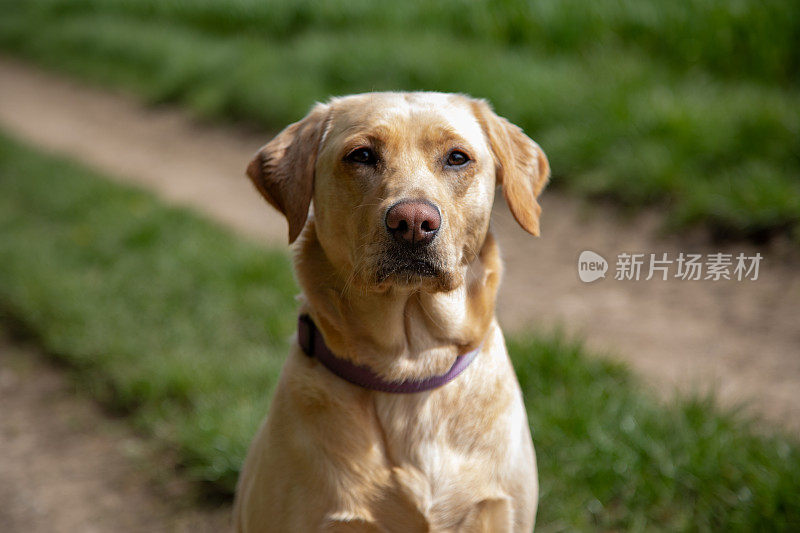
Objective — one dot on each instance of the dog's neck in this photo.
(398, 333)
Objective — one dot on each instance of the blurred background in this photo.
(134, 252)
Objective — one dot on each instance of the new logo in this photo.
(591, 266)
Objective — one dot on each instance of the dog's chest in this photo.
(442, 474)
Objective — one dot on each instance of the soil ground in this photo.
(68, 466)
(738, 339)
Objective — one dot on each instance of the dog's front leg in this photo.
(350, 525)
(493, 515)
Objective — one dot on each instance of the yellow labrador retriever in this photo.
(397, 409)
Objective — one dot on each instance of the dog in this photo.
(397, 409)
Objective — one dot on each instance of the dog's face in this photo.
(402, 183)
(404, 188)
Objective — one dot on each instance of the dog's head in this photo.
(402, 183)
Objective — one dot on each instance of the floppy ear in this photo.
(283, 170)
(521, 166)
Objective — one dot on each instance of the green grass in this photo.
(183, 326)
(162, 314)
(754, 39)
(688, 105)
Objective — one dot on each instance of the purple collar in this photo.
(313, 344)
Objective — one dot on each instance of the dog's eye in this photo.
(362, 155)
(457, 158)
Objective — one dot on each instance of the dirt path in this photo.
(740, 339)
(91, 473)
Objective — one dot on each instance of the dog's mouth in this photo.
(407, 267)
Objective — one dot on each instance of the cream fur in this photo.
(335, 457)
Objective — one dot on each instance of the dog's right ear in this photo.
(283, 170)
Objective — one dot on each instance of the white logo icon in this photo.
(591, 266)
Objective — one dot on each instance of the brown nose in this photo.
(413, 221)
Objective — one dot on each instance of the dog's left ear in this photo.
(521, 166)
(283, 170)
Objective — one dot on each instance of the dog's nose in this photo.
(413, 221)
